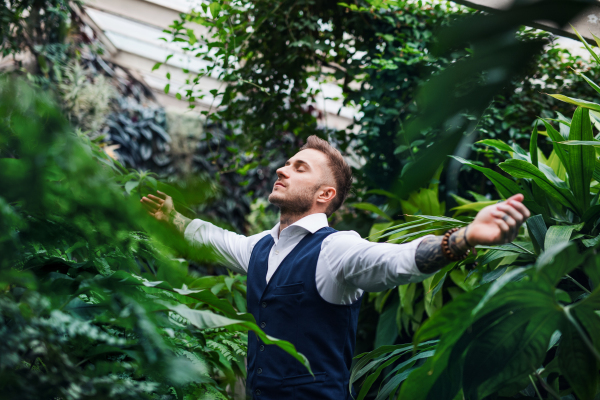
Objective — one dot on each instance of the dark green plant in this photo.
(91, 306)
(532, 316)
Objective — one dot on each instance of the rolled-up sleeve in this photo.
(369, 266)
(232, 250)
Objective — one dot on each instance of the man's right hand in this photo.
(160, 207)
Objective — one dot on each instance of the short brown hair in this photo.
(342, 173)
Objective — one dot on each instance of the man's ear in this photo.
(326, 194)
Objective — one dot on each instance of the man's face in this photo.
(299, 181)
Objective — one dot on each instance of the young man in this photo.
(306, 280)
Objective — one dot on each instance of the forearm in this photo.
(430, 256)
(178, 221)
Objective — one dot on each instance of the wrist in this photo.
(469, 238)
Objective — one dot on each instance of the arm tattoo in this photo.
(429, 255)
(179, 221)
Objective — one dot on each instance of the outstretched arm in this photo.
(495, 224)
(162, 208)
(233, 250)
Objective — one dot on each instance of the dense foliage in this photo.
(92, 306)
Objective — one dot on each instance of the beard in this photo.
(297, 203)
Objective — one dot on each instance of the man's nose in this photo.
(282, 172)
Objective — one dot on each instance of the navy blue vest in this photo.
(289, 307)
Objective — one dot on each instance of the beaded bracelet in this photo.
(449, 254)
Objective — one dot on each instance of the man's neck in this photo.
(287, 219)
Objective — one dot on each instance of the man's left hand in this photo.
(498, 223)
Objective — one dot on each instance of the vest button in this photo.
(257, 392)
(259, 371)
(261, 348)
(264, 304)
(263, 324)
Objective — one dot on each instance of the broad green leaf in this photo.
(558, 260)
(577, 364)
(504, 349)
(387, 330)
(523, 169)
(215, 7)
(537, 231)
(505, 186)
(498, 144)
(557, 235)
(581, 158)
(372, 208)
(208, 320)
(559, 151)
(557, 166)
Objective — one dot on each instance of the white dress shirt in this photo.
(347, 264)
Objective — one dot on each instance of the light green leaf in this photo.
(523, 169)
(208, 320)
(498, 144)
(557, 235)
(372, 208)
(129, 186)
(533, 149)
(581, 158)
(578, 102)
(215, 7)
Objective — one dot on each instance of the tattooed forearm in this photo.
(429, 255)
(179, 221)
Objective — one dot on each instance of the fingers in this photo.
(508, 226)
(517, 197)
(162, 195)
(150, 204)
(157, 200)
(520, 207)
(512, 212)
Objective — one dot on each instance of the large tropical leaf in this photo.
(505, 186)
(581, 158)
(523, 169)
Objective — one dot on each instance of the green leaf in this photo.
(581, 158)
(372, 208)
(505, 186)
(578, 102)
(537, 231)
(505, 348)
(587, 46)
(129, 186)
(577, 364)
(523, 169)
(167, 87)
(208, 320)
(156, 66)
(498, 144)
(533, 149)
(215, 7)
(557, 235)
(557, 138)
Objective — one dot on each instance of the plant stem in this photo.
(535, 387)
(578, 284)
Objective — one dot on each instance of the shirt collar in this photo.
(310, 223)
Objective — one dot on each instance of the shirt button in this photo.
(264, 304)
(276, 252)
(257, 392)
(263, 324)
(259, 371)
(261, 348)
